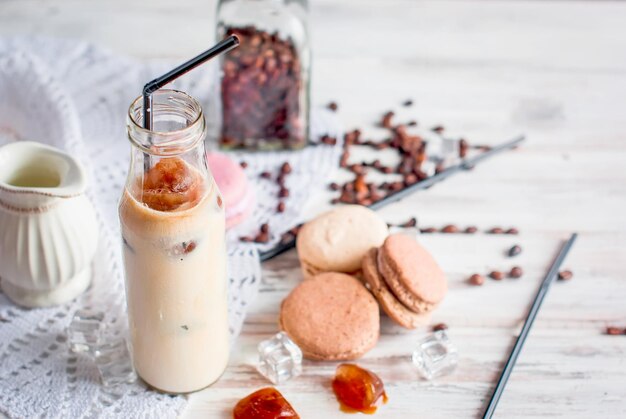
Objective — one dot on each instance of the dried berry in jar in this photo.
(263, 92)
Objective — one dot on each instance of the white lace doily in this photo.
(75, 96)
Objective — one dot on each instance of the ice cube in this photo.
(85, 330)
(435, 356)
(114, 362)
(280, 359)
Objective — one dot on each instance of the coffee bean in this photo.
(280, 207)
(463, 146)
(514, 251)
(266, 175)
(495, 230)
(614, 331)
(407, 103)
(265, 228)
(243, 164)
(281, 180)
(262, 238)
(497, 275)
(511, 230)
(438, 129)
(285, 168)
(412, 222)
(450, 228)
(334, 186)
(386, 121)
(410, 179)
(476, 279)
(328, 140)
(412, 123)
(439, 327)
(471, 230)
(565, 275)
(516, 272)
(428, 230)
(283, 193)
(333, 106)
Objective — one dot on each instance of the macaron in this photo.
(238, 194)
(397, 311)
(411, 273)
(331, 317)
(337, 240)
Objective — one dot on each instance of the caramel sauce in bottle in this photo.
(358, 390)
(266, 403)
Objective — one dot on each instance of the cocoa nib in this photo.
(450, 228)
(333, 106)
(497, 275)
(565, 275)
(516, 272)
(280, 207)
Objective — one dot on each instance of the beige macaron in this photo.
(331, 317)
(397, 311)
(411, 273)
(337, 240)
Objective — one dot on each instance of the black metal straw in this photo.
(154, 85)
(424, 184)
(530, 318)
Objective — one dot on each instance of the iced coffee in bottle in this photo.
(172, 222)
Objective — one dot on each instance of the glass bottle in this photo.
(264, 83)
(173, 232)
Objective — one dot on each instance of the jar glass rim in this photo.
(169, 142)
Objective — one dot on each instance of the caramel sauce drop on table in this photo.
(357, 389)
(266, 403)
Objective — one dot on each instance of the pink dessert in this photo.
(232, 182)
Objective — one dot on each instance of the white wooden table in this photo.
(487, 70)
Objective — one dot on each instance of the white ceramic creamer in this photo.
(48, 227)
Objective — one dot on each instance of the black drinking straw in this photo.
(154, 85)
(530, 318)
(466, 164)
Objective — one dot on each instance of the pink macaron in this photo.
(233, 183)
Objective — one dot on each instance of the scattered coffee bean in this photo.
(266, 175)
(565, 275)
(328, 140)
(408, 103)
(285, 168)
(386, 121)
(428, 230)
(412, 222)
(412, 123)
(471, 230)
(476, 279)
(495, 230)
(440, 326)
(334, 186)
(243, 164)
(516, 272)
(450, 228)
(283, 193)
(497, 275)
(611, 330)
(514, 251)
(333, 106)
(512, 230)
(265, 228)
(438, 129)
(280, 207)
(463, 146)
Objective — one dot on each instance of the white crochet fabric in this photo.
(75, 96)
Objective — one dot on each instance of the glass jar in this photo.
(264, 83)
(173, 232)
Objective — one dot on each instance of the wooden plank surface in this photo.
(487, 70)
